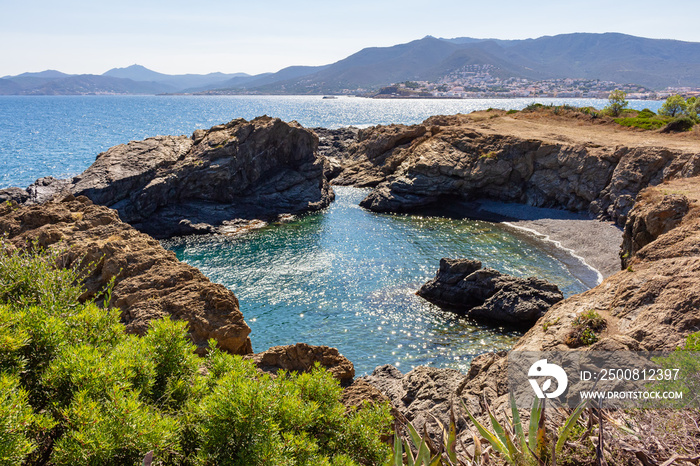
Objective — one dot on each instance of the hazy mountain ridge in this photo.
(654, 63)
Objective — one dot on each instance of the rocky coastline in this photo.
(245, 171)
(218, 180)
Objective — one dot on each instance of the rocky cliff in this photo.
(651, 305)
(174, 185)
(150, 282)
(493, 155)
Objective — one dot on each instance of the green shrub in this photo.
(118, 429)
(176, 364)
(682, 123)
(110, 398)
(686, 361)
(18, 422)
(646, 119)
(616, 103)
(533, 107)
(585, 328)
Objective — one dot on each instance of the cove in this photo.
(346, 277)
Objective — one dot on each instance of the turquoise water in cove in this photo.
(344, 277)
(347, 278)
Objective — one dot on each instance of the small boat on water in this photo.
(329, 97)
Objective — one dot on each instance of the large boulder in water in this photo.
(489, 295)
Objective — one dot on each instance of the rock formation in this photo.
(652, 305)
(375, 154)
(649, 219)
(488, 295)
(150, 283)
(334, 145)
(174, 185)
(461, 157)
(302, 357)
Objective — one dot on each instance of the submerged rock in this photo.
(174, 185)
(150, 283)
(489, 295)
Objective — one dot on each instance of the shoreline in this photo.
(588, 247)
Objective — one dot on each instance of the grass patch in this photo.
(489, 155)
(585, 329)
(644, 119)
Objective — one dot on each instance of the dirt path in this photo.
(581, 131)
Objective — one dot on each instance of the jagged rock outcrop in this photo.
(376, 153)
(458, 157)
(302, 357)
(488, 295)
(334, 145)
(174, 185)
(650, 219)
(419, 394)
(652, 305)
(150, 283)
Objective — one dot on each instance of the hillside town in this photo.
(482, 81)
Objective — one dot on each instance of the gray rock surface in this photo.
(488, 295)
(456, 157)
(174, 185)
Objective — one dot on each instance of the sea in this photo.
(343, 277)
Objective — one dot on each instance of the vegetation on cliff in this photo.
(76, 389)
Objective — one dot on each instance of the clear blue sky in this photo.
(250, 36)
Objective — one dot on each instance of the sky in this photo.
(177, 37)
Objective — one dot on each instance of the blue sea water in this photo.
(344, 277)
(347, 278)
(61, 135)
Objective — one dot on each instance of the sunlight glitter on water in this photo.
(347, 278)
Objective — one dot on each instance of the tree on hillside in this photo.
(617, 102)
(674, 106)
(693, 107)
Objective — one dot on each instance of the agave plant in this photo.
(535, 449)
(510, 441)
(427, 454)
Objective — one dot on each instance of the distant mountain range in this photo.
(653, 63)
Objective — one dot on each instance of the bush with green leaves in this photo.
(645, 119)
(75, 389)
(684, 364)
(674, 106)
(616, 103)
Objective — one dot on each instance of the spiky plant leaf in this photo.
(518, 425)
(397, 459)
(451, 440)
(477, 448)
(435, 460)
(569, 424)
(491, 438)
(410, 460)
(415, 437)
(535, 413)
